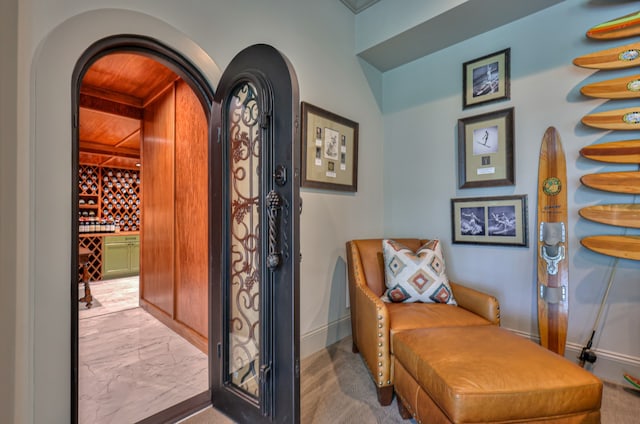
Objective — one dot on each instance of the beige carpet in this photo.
(335, 388)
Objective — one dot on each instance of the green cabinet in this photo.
(121, 256)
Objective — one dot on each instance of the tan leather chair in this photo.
(374, 322)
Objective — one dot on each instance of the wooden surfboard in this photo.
(619, 57)
(622, 27)
(619, 119)
(625, 247)
(621, 215)
(553, 263)
(615, 182)
(618, 88)
(614, 152)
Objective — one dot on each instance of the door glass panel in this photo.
(244, 233)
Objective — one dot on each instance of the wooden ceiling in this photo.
(113, 94)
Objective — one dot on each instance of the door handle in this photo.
(273, 207)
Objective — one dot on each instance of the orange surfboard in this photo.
(614, 152)
(615, 58)
(615, 182)
(617, 88)
(622, 27)
(553, 255)
(624, 247)
(620, 119)
(621, 215)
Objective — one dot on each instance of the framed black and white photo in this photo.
(490, 220)
(329, 150)
(486, 79)
(485, 150)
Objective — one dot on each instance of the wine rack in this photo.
(121, 197)
(93, 243)
(112, 194)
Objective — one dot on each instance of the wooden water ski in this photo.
(619, 57)
(553, 266)
(621, 215)
(614, 152)
(622, 27)
(617, 88)
(619, 119)
(625, 247)
(615, 182)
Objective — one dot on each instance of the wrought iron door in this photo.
(255, 193)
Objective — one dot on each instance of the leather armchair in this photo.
(373, 322)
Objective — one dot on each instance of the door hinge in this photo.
(219, 349)
(219, 135)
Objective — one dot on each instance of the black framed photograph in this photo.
(485, 150)
(486, 79)
(500, 220)
(329, 150)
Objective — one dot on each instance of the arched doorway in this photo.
(118, 82)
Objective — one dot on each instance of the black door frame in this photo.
(169, 57)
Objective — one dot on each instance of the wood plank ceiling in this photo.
(113, 95)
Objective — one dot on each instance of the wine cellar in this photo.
(109, 202)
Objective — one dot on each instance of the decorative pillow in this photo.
(415, 276)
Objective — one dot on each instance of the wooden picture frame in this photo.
(500, 220)
(486, 79)
(486, 150)
(329, 150)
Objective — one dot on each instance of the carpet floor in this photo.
(336, 388)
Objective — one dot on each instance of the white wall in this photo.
(52, 35)
(8, 133)
(421, 106)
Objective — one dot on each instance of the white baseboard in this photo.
(324, 336)
(609, 366)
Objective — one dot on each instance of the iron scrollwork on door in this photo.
(274, 204)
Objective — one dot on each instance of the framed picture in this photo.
(490, 220)
(486, 79)
(329, 150)
(485, 150)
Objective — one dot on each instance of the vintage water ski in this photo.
(622, 27)
(619, 57)
(625, 247)
(553, 266)
(614, 152)
(621, 215)
(617, 88)
(619, 119)
(615, 182)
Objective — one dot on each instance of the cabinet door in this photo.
(116, 260)
(134, 257)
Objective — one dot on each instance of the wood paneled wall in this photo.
(191, 209)
(158, 193)
(174, 236)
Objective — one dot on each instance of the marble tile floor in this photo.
(130, 364)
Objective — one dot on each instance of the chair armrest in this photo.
(479, 303)
(370, 321)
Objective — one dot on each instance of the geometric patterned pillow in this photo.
(415, 276)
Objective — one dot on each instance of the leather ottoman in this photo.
(487, 374)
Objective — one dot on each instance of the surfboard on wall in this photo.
(620, 57)
(621, 215)
(624, 247)
(553, 263)
(627, 182)
(614, 152)
(616, 88)
(622, 27)
(627, 119)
